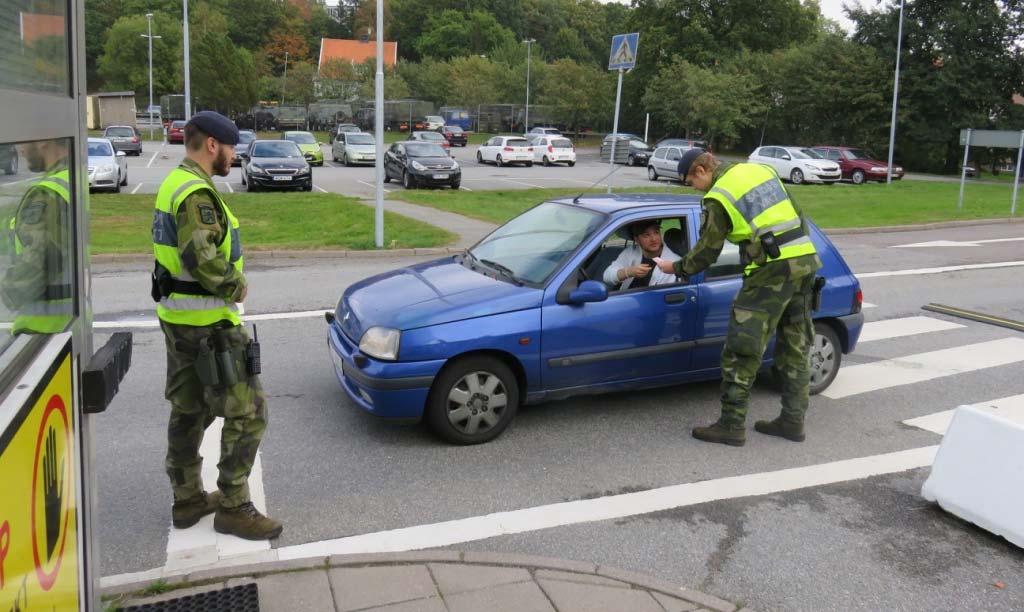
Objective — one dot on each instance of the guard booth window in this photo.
(34, 46)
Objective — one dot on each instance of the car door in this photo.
(392, 165)
(641, 336)
(671, 162)
(339, 146)
(717, 288)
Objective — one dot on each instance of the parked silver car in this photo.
(354, 148)
(125, 138)
(665, 163)
(108, 169)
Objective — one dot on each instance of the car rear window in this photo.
(178, 124)
(300, 137)
(120, 131)
(454, 129)
(517, 142)
(561, 143)
(359, 139)
(430, 136)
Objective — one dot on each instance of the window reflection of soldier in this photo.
(37, 285)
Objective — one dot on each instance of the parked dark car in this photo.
(434, 137)
(858, 165)
(630, 149)
(245, 138)
(176, 132)
(275, 164)
(421, 164)
(124, 138)
(683, 143)
(455, 135)
(9, 158)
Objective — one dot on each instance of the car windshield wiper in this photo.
(502, 269)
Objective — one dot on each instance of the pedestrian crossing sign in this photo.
(623, 55)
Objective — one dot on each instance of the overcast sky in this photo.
(833, 9)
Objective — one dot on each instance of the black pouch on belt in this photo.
(252, 354)
(771, 248)
(226, 365)
(206, 365)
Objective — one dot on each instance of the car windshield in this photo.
(283, 148)
(359, 139)
(858, 154)
(424, 149)
(561, 143)
(300, 138)
(120, 131)
(430, 136)
(517, 142)
(812, 154)
(100, 149)
(245, 138)
(537, 242)
(454, 129)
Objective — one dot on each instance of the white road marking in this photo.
(372, 186)
(863, 378)
(907, 326)
(866, 305)
(523, 183)
(330, 164)
(137, 187)
(464, 188)
(152, 322)
(228, 185)
(1011, 408)
(152, 159)
(920, 271)
(954, 243)
(320, 189)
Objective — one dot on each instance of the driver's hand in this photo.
(640, 271)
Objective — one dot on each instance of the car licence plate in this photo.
(282, 178)
(440, 176)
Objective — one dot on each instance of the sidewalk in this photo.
(428, 581)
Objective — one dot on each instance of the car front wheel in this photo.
(407, 180)
(479, 158)
(858, 177)
(472, 401)
(797, 176)
(652, 174)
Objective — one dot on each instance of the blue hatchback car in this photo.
(524, 317)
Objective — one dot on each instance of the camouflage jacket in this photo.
(202, 226)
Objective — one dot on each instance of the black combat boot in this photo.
(721, 434)
(186, 513)
(782, 429)
(246, 522)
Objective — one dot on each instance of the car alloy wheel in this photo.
(473, 400)
(630, 161)
(826, 355)
(479, 158)
(652, 174)
(797, 176)
(858, 177)
(498, 161)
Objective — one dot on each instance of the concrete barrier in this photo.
(978, 474)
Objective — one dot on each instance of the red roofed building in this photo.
(355, 51)
(34, 26)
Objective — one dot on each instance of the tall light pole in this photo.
(188, 81)
(526, 122)
(149, 35)
(378, 129)
(895, 95)
(284, 85)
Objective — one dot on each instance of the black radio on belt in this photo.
(252, 354)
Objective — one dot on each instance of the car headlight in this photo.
(381, 343)
(106, 168)
(877, 168)
(256, 169)
(455, 165)
(418, 166)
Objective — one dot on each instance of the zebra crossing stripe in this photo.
(1011, 408)
(906, 326)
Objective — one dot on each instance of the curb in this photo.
(256, 255)
(886, 229)
(440, 556)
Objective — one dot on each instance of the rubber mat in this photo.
(244, 598)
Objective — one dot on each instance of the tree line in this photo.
(735, 72)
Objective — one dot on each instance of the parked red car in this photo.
(176, 132)
(455, 136)
(858, 165)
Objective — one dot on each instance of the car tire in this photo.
(12, 166)
(250, 186)
(407, 180)
(796, 176)
(124, 180)
(826, 357)
(858, 177)
(477, 383)
(479, 158)
(498, 161)
(529, 164)
(571, 164)
(630, 161)
(117, 186)
(547, 162)
(652, 174)
(344, 160)
(456, 185)
(308, 187)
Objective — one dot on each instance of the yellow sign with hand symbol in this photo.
(38, 508)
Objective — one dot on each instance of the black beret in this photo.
(687, 160)
(216, 125)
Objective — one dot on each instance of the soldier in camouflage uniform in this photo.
(198, 251)
(776, 296)
(37, 285)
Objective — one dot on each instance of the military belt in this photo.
(189, 287)
(58, 292)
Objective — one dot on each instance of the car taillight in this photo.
(551, 149)
(529, 149)
(858, 301)
(508, 149)
(135, 138)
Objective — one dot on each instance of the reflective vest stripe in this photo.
(759, 199)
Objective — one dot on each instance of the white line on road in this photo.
(320, 189)
(372, 186)
(920, 271)
(152, 323)
(906, 326)
(330, 164)
(152, 159)
(523, 183)
(228, 185)
(866, 305)
(464, 188)
(137, 187)
(862, 378)
(1011, 408)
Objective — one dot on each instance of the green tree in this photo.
(454, 34)
(223, 76)
(338, 79)
(300, 84)
(427, 80)
(581, 94)
(473, 80)
(125, 60)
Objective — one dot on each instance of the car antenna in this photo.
(576, 200)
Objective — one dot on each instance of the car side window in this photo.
(674, 155)
(727, 265)
(659, 154)
(673, 236)
(833, 155)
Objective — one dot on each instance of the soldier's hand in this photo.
(667, 267)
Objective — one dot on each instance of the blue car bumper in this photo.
(391, 390)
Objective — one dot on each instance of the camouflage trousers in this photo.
(193, 408)
(769, 303)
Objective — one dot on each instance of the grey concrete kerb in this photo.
(887, 229)
(539, 567)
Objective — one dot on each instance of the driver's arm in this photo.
(611, 273)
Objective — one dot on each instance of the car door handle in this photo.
(679, 296)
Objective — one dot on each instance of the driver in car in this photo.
(635, 266)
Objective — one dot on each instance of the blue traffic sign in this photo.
(623, 55)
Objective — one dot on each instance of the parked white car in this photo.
(503, 150)
(108, 170)
(433, 123)
(543, 131)
(354, 148)
(798, 164)
(665, 162)
(549, 150)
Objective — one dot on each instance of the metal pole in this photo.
(1017, 174)
(615, 130)
(895, 95)
(379, 129)
(188, 82)
(149, 35)
(526, 122)
(963, 171)
(647, 125)
(284, 84)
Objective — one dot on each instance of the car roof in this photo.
(621, 202)
(99, 140)
(118, 126)
(296, 132)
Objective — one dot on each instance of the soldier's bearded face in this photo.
(222, 163)
(33, 156)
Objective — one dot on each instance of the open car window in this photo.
(673, 235)
(728, 264)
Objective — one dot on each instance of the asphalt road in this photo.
(330, 471)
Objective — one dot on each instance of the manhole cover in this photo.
(244, 598)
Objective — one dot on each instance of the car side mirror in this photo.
(786, 157)
(588, 291)
(121, 154)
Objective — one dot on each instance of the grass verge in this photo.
(830, 206)
(121, 223)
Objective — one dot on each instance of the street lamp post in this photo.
(188, 81)
(284, 85)
(149, 35)
(895, 95)
(526, 122)
(378, 132)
